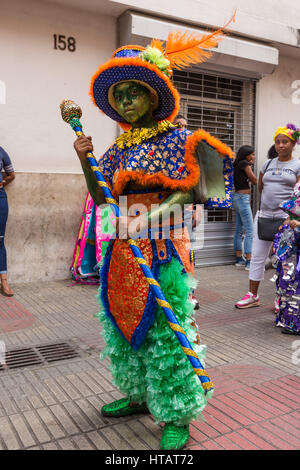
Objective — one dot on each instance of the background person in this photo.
(276, 182)
(287, 256)
(6, 168)
(243, 175)
(195, 208)
(181, 120)
(272, 152)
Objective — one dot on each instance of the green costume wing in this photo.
(215, 185)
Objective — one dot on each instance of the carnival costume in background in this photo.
(286, 256)
(95, 231)
(157, 165)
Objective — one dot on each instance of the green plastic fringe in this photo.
(159, 372)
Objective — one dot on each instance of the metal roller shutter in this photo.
(225, 107)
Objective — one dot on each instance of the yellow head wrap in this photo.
(285, 131)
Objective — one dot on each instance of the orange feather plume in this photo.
(158, 44)
(184, 49)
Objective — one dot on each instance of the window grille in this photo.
(224, 106)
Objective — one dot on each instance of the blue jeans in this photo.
(244, 222)
(3, 220)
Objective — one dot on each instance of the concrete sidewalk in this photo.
(56, 405)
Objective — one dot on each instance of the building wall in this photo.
(47, 197)
(267, 20)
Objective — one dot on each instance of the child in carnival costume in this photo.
(153, 163)
(286, 253)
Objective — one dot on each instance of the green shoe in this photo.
(174, 437)
(122, 408)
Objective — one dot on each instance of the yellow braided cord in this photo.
(190, 352)
(78, 133)
(132, 242)
(142, 261)
(176, 327)
(207, 385)
(153, 282)
(95, 168)
(163, 303)
(111, 201)
(200, 372)
(102, 184)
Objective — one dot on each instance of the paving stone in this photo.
(24, 432)
(46, 395)
(219, 415)
(251, 406)
(7, 403)
(197, 435)
(282, 433)
(90, 382)
(89, 410)
(241, 441)
(58, 406)
(230, 411)
(226, 443)
(251, 437)
(56, 390)
(98, 440)
(78, 417)
(68, 388)
(146, 428)
(66, 444)
(80, 386)
(50, 422)
(50, 446)
(130, 437)
(116, 439)
(82, 443)
(240, 409)
(211, 445)
(293, 421)
(271, 438)
(35, 424)
(216, 424)
(64, 419)
(8, 435)
(101, 378)
(32, 396)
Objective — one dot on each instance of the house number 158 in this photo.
(62, 42)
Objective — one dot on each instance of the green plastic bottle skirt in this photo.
(159, 373)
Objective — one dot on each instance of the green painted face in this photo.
(133, 102)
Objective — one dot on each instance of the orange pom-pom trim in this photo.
(193, 140)
(159, 179)
(138, 63)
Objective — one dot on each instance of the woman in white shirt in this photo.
(276, 182)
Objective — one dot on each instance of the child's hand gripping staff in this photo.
(71, 113)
